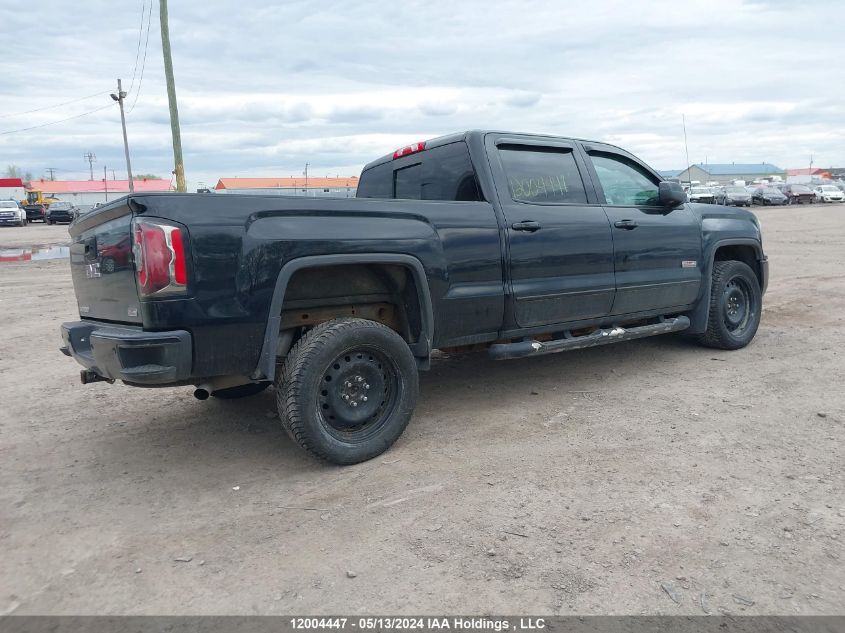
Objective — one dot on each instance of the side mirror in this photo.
(671, 195)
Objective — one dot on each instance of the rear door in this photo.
(560, 251)
(102, 267)
(657, 251)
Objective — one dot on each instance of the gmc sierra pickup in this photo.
(521, 243)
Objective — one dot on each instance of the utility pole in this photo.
(686, 149)
(306, 179)
(52, 171)
(106, 183)
(90, 158)
(119, 97)
(171, 99)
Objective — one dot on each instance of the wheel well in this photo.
(742, 253)
(386, 293)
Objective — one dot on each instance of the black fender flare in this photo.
(700, 313)
(266, 368)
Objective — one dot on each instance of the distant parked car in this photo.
(11, 213)
(61, 212)
(828, 193)
(701, 194)
(798, 194)
(768, 196)
(733, 195)
(35, 212)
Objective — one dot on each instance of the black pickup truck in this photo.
(520, 243)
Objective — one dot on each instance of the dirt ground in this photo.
(653, 476)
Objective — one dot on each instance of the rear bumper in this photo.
(128, 352)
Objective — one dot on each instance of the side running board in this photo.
(521, 349)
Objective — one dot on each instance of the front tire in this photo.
(348, 390)
(735, 306)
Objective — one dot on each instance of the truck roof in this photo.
(462, 136)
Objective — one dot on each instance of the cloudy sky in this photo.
(265, 87)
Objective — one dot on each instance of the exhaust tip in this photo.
(201, 394)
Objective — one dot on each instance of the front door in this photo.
(559, 240)
(657, 251)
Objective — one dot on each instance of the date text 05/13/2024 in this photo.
(417, 623)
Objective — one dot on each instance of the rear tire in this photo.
(241, 391)
(348, 390)
(735, 306)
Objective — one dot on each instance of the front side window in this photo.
(624, 183)
(542, 175)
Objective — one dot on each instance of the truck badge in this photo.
(92, 270)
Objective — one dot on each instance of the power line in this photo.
(55, 105)
(144, 62)
(76, 116)
(138, 48)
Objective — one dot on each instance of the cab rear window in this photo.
(440, 173)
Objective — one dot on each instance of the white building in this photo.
(87, 193)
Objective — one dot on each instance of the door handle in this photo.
(526, 225)
(628, 225)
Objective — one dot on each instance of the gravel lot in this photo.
(653, 476)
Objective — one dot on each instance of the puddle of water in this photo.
(34, 253)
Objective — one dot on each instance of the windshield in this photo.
(828, 188)
(772, 191)
(800, 189)
(60, 206)
(8, 204)
(735, 190)
(699, 190)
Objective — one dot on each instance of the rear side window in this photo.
(448, 174)
(542, 175)
(443, 173)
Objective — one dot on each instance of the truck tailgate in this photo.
(102, 267)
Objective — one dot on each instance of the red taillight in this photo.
(180, 272)
(159, 251)
(408, 150)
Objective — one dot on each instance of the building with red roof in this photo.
(12, 189)
(311, 187)
(87, 193)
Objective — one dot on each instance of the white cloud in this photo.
(263, 89)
